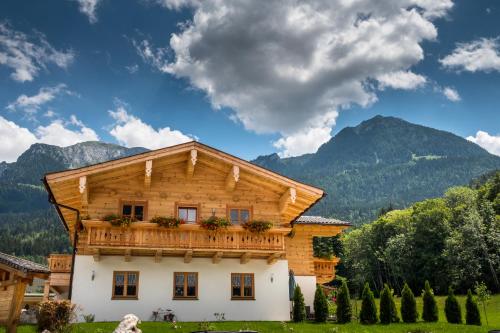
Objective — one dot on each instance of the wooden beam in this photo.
(191, 162)
(46, 290)
(15, 307)
(232, 178)
(158, 256)
(273, 258)
(128, 255)
(217, 257)
(97, 255)
(147, 173)
(83, 189)
(188, 256)
(245, 258)
(287, 198)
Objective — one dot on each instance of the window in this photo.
(239, 215)
(242, 286)
(185, 285)
(125, 285)
(188, 213)
(135, 210)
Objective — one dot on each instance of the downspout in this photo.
(53, 201)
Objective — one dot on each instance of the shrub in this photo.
(472, 316)
(452, 308)
(320, 305)
(257, 226)
(214, 223)
(119, 221)
(430, 311)
(368, 313)
(55, 316)
(299, 308)
(409, 312)
(89, 318)
(343, 304)
(166, 222)
(388, 312)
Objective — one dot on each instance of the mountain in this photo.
(382, 161)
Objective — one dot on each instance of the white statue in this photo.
(129, 324)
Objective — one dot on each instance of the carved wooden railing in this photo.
(149, 235)
(60, 263)
(324, 269)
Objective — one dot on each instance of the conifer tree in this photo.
(368, 313)
(430, 311)
(343, 304)
(472, 316)
(388, 312)
(299, 308)
(320, 305)
(409, 312)
(452, 308)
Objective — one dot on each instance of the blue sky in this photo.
(247, 77)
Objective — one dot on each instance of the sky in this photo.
(248, 77)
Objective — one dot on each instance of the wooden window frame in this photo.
(241, 297)
(134, 203)
(125, 284)
(188, 205)
(229, 208)
(185, 298)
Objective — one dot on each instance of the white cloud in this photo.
(131, 131)
(31, 104)
(489, 142)
(479, 55)
(451, 94)
(284, 66)
(132, 69)
(49, 114)
(89, 8)
(26, 55)
(15, 139)
(401, 80)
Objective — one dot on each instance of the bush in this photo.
(472, 316)
(409, 312)
(343, 304)
(257, 226)
(452, 308)
(299, 308)
(55, 316)
(388, 312)
(320, 305)
(368, 313)
(430, 311)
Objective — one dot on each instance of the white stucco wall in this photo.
(308, 287)
(156, 288)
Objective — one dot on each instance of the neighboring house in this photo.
(141, 267)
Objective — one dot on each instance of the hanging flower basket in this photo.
(215, 223)
(257, 226)
(167, 222)
(119, 221)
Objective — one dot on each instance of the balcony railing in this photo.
(324, 269)
(144, 235)
(60, 263)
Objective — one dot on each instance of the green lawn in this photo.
(266, 327)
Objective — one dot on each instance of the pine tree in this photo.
(388, 312)
(430, 311)
(320, 305)
(343, 304)
(472, 316)
(452, 308)
(408, 305)
(368, 313)
(299, 308)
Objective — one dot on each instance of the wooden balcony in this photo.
(191, 239)
(60, 271)
(324, 269)
(60, 263)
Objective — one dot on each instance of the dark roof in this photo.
(23, 265)
(304, 219)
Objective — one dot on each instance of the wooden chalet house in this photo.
(141, 266)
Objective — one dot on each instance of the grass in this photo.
(493, 313)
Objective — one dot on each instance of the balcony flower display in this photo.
(257, 226)
(215, 223)
(167, 222)
(119, 221)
